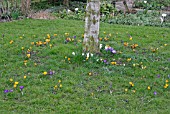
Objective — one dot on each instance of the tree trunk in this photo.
(92, 22)
(25, 6)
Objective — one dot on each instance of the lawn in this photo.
(43, 70)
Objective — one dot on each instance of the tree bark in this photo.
(92, 22)
(25, 6)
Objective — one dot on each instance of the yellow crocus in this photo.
(16, 83)
(22, 48)
(126, 90)
(11, 41)
(129, 59)
(11, 80)
(149, 87)
(113, 63)
(28, 55)
(130, 38)
(45, 73)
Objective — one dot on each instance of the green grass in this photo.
(101, 92)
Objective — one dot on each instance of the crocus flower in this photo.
(73, 53)
(76, 9)
(145, 2)
(21, 88)
(164, 15)
(158, 75)
(45, 73)
(11, 90)
(51, 72)
(6, 91)
(149, 87)
(105, 61)
(87, 55)
(11, 80)
(114, 51)
(69, 59)
(155, 93)
(100, 46)
(16, 83)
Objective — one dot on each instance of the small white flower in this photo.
(101, 46)
(164, 15)
(91, 54)
(73, 53)
(97, 60)
(87, 55)
(82, 54)
(76, 9)
(68, 11)
(162, 20)
(145, 2)
(114, 51)
(106, 47)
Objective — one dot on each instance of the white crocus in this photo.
(162, 20)
(73, 53)
(164, 15)
(106, 47)
(101, 46)
(76, 9)
(145, 2)
(87, 55)
(91, 54)
(82, 54)
(68, 11)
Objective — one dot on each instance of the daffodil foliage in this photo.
(92, 20)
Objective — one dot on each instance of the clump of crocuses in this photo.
(112, 50)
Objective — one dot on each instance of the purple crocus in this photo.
(11, 90)
(111, 49)
(158, 75)
(51, 72)
(74, 37)
(155, 93)
(105, 61)
(21, 88)
(6, 91)
(106, 49)
(114, 51)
